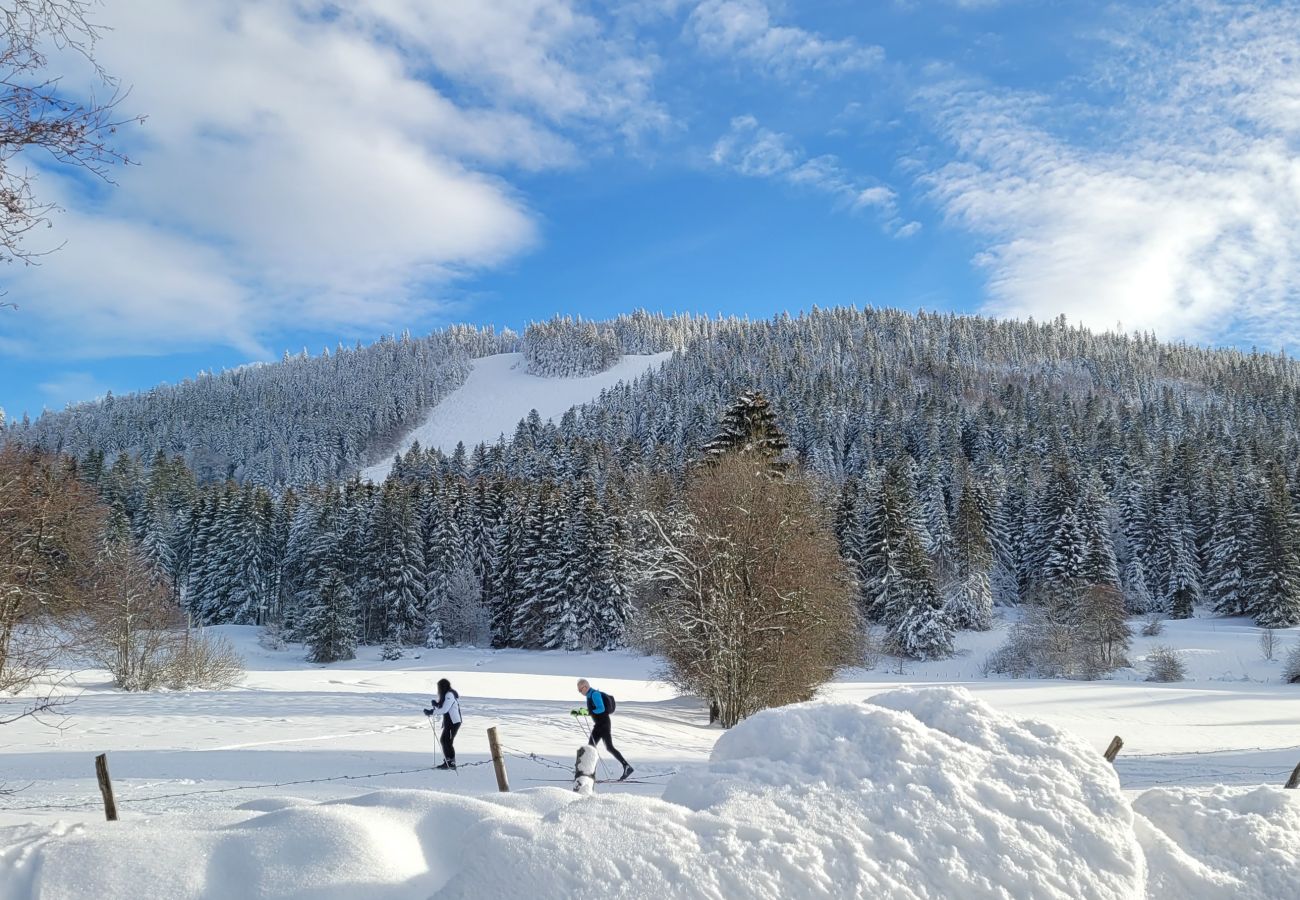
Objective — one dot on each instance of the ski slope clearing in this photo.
(498, 393)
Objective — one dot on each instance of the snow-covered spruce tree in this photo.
(403, 590)
(749, 425)
(898, 581)
(329, 624)
(1182, 571)
(1228, 563)
(1275, 578)
(1099, 565)
(748, 598)
(444, 557)
(503, 582)
(970, 598)
(609, 567)
(543, 566)
(1137, 593)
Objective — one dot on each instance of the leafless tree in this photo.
(1268, 643)
(37, 113)
(130, 625)
(49, 527)
(748, 598)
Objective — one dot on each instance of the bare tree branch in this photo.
(37, 115)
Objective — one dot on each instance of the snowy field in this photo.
(1232, 723)
(499, 393)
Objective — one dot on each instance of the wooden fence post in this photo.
(1294, 781)
(498, 761)
(106, 787)
(1116, 744)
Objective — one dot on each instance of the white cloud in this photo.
(71, 387)
(309, 165)
(1184, 217)
(744, 29)
(752, 150)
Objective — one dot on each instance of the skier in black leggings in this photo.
(601, 728)
(447, 705)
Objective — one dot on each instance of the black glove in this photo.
(428, 712)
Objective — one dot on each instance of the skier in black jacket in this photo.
(601, 730)
(447, 705)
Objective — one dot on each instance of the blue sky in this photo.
(311, 173)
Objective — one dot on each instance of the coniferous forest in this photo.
(968, 463)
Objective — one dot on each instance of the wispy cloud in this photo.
(71, 387)
(1177, 210)
(744, 29)
(754, 151)
(311, 165)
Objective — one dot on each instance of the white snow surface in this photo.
(914, 794)
(498, 393)
(974, 787)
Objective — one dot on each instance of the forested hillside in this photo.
(966, 462)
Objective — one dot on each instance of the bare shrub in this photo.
(1291, 669)
(1268, 643)
(1165, 664)
(871, 648)
(130, 626)
(272, 637)
(1071, 633)
(200, 659)
(463, 615)
(751, 602)
(1153, 624)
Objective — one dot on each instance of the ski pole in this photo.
(434, 729)
(588, 730)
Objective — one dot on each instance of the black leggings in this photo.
(601, 731)
(448, 736)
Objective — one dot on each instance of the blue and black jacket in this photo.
(596, 702)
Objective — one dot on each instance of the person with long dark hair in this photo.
(447, 705)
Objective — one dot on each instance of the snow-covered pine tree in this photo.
(1099, 565)
(504, 580)
(1182, 572)
(1227, 568)
(899, 588)
(1275, 578)
(444, 554)
(970, 598)
(396, 549)
(329, 624)
(1138, 598)
(541, 565)
(749, 424)
(610, 578)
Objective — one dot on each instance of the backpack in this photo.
(609, 702)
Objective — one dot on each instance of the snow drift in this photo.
(913, 794)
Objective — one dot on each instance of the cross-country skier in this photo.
(599, 706)
(447, 705)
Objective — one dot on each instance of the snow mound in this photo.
(499, 392)
(913, 794)
(387, 844)
(1228, 843)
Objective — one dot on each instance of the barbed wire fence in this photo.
(513, 752)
